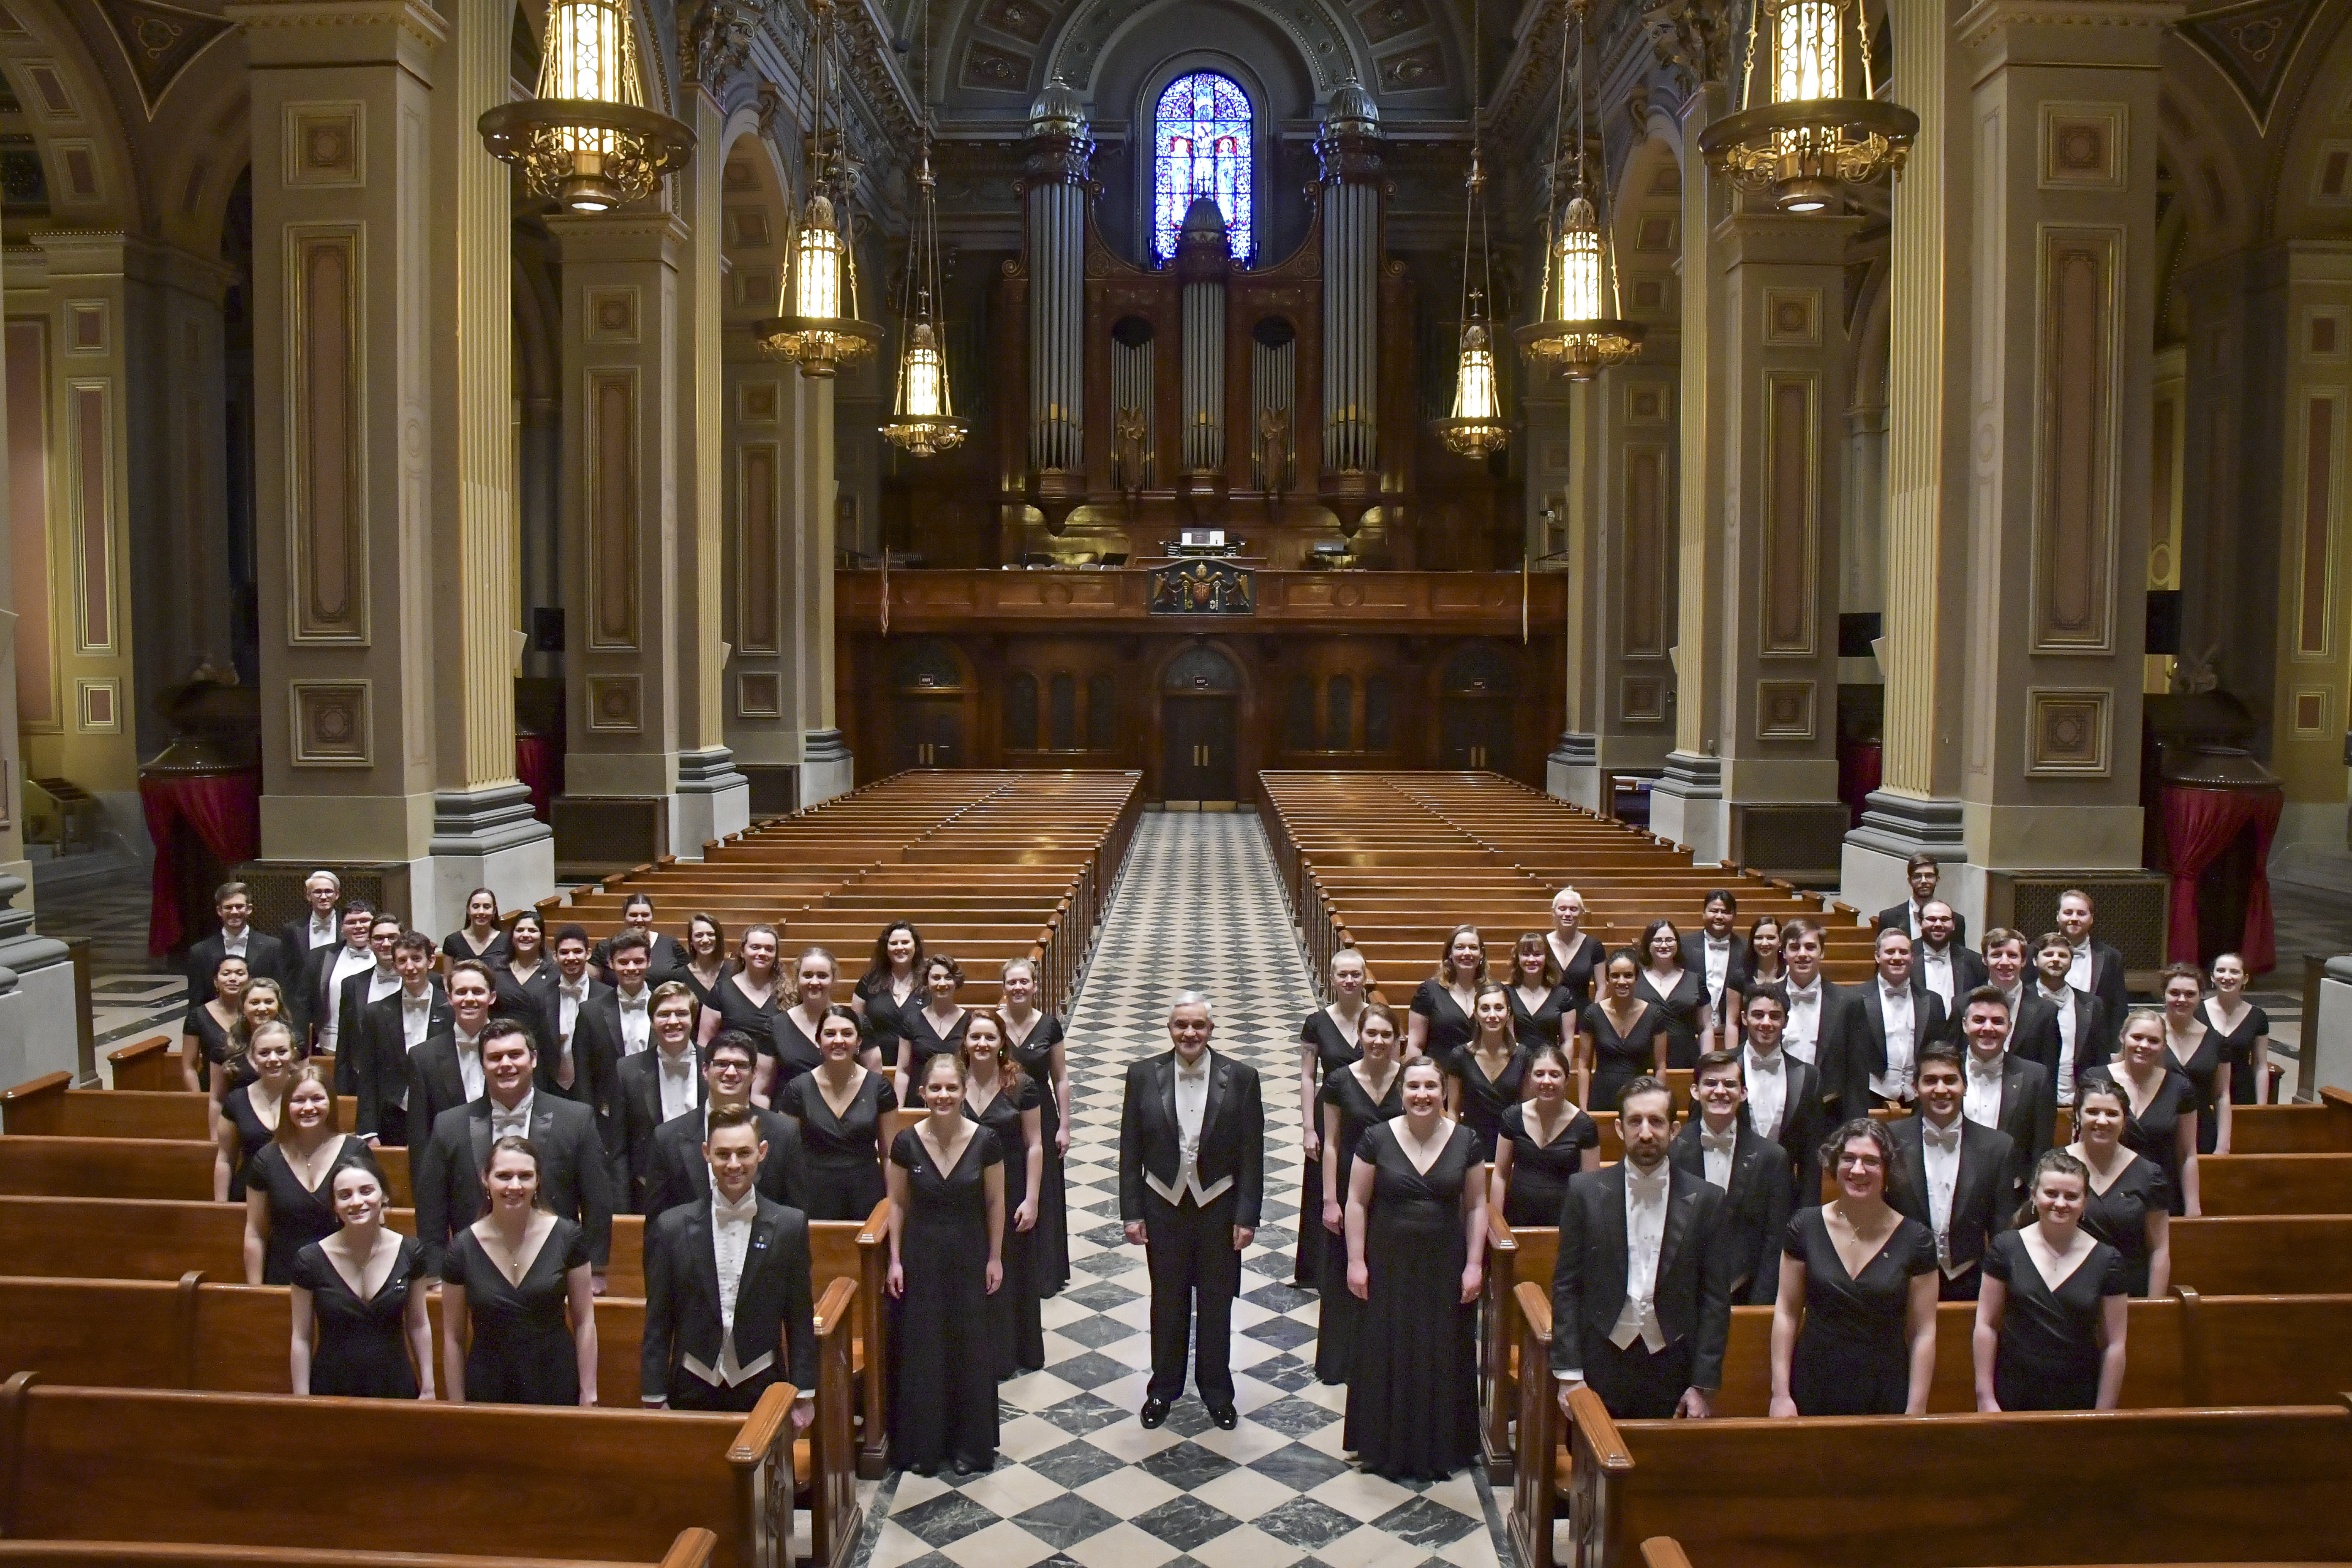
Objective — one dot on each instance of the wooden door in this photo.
(1476, 732)
(928, 734)
(1199, 748)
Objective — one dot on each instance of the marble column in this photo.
(827, 768)
(763, 430)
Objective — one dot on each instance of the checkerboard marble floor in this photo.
(1077, 1480)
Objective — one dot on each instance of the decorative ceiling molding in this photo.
(2254, 45)
(158, 42)
(1323, 43)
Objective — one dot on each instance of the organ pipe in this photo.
(1060, 147)
(1348, 148)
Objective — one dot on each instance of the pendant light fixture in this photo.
(923, 421)
(1805, 139)
(818, 328)
(1477, 428)
(585, 139)
(1578, 335)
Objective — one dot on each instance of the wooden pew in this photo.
(2233, 1185)
(153, 1063)
(161, 1168)
(50, 1107)
(2322, 1128)
(692, 1549)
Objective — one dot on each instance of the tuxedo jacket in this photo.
(1867, 1056)
(350, 1005)
(1897, 917)
(2029, 1111)
(264, 954)
(1233, 1134)
(597, 1047)
(2033, 1037)
(572, 1179)
(666, 960)
(294, 936)
(2091, 1036)
(1694, 958)
(1695, 1270)
(681, 1176)
(1833, 1045)
(383, 1067)
(2107, 983)
(774, 1310)
(1984, 1198)
(1755, 1207)
(637, 1116)
(435, 1081)
(1969, 972)
(1804, 1124)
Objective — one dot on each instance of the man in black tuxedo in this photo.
(2002, 1089)
(2083, 1035)
(2032, 1022)
(1192, 1176)
(1783, 1094)
(1715, 952)
(390, 1031)
(446, 1070)
(711, 1347)
(652, 1088)
(1943, 964)
(2098, 968)
(612, 1025)
(1956, 1176)
(679, 1175)
(1640, 1295)
(1910, 916)
(263, 955)
(330, 967)
(318, 926)
(585, 1054)
(1821, 1025)
(573, 1181)
(1759, 1192)
(1893, 1017)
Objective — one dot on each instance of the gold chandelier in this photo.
(1807, 139)
(1477, 428)
(924, 421)
(586, 139)
(817, 327)
(1579, 333)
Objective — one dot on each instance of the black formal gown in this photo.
(299, 1216)
(212, 1047)
(456, 949)
(1013, 1311)
(2154, 1133)
(2049, 1353)
(532, 998)
(2203, 1070)
(2119, 1216)
(1339, 1319)
(2237, 1051)
(1049, 1244)
(522, 1351)
(1577, 973)
(942, 1337)
(1541, 1024)
(1321, 1257)
(1484, 1100)
(842, 1154)
(920, 1042)
(1540, 1171)
(1682, 1006)
(737, 1011)
(793, 1049)
(251, 1136)
(1853, 1352)
(1412, 1395)
(707, 995)
(1449, 1026)
(885, 1014)
(359, 1348)
(1618, 1059)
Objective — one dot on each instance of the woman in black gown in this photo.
(1035, 1038)
(747, 993)
(936, 1027)
(665, 960)
(2244, 1031)
(512, 1277)
(204, 1035)
(263, 1003)
(1486, 1074)
(1416, 1247)
(2129, 1205)
(1327, 1043)
(706, 961)
(250, 1115)
(1002, 1098)
(1853, 1329)
(1442, 1005)
(2052, 1314)
(1542, 1004)
(361, 1330)
(479, 936)
(288, 1201)
(1763, 968)
(2159, 1105)
(2194, 1051)
(1355, 1099)
(947, 1240)
(839, 1107)
(528, 987)
(1576, 955)
(1619, 1038)
(891, 986)
(1678, 992)
(1545, 1140)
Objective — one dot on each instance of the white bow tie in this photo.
(1946, 1139)
(1719, 1142)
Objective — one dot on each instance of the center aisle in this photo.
(1078, 1479)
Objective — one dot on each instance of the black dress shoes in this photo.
(1224, 1415)
(1155, 1411)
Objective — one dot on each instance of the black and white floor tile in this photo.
(1078, 1480)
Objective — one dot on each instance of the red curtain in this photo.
(2199, 825)
(1858, 775)
(223, 810)
(535, 766)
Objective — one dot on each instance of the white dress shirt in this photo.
(515, 1124)
(680, 1081)
(1902, 1034)
(730, 1245)
(2065, 1003)
(1645, 1237)
(415, 1017)
(2078, 971)
(1936, 974)
(1717, 1149)
(348, 962)
(1192, 1106)
(1716, 951)
(1981, 1102)
(2015, 996)
(1911, 912)
(234, 946)
(1801, 1037)
(325, 929)
(382, 983)
(637, 1020)
(470, 1064)
(1941, 1148)
(1768, 1090)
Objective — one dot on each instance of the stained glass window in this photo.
(1202, 148)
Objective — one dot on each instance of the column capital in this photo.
(2071, 32)
(1803, 239)
(646, 237)
(340, 32)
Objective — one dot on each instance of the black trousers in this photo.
(1193, 1264)
(1635, 1385)
(1967, 1288)
(391, 1126)
(688, 1392)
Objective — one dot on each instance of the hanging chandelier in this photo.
(1477, 428)
(817, 327)
(924, 420)
(586, 139)
(1579, 333)
(1807, 139)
